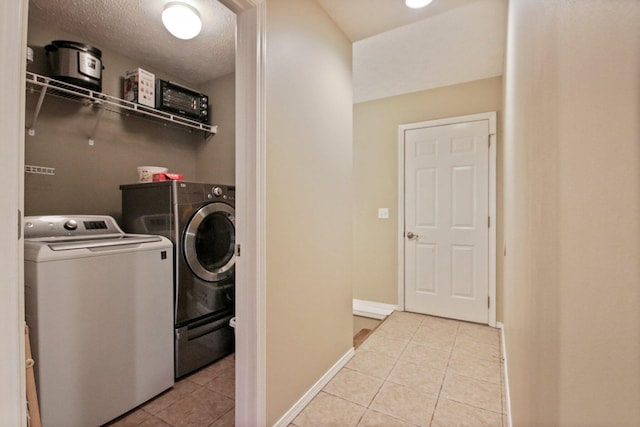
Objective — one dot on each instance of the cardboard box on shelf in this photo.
(140, 87)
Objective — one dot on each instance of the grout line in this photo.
(385, 380)
(474, 406)
(368, 406)
(446, 369)
(221, 416)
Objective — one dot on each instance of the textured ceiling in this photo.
(396, 50)
(134, 29)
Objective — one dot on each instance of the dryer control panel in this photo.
(227, 193)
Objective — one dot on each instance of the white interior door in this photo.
(446, 219)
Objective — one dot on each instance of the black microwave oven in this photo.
(182, 101)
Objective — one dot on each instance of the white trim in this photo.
(401, 171)
(506, 374)
(293, 412)
(491, 117)
(250, 406)
(239, 6)
(372, 309)
(493, 205)
(13, 42)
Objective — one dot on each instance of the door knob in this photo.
(412, 236)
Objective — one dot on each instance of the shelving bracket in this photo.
(36, 113)
(99, 114)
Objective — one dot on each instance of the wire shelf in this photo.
(39, 170)
(106, 102)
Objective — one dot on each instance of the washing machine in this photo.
(199, 219)
(99, 306)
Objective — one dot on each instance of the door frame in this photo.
(13, 40)
(250, 329)
(491, 117)
(250, 210)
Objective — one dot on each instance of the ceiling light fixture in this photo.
(182, 20)
(417, 4)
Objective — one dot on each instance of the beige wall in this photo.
(215, 157)
(309, 193)
(572, 210)
(375, 154)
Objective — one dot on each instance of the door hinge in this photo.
(488, 302)
(489, 222)
(238, 249)
(19, 224)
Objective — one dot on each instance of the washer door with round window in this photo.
(209, 242)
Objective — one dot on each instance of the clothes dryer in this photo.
(200, 221)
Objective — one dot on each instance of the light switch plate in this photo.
(383, 213)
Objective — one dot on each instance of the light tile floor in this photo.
(413, 370)
(204, 399)
(416, 370)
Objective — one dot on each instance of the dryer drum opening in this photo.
(209, 243)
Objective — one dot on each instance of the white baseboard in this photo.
(506, 374)
(372, 309)
(293, 412)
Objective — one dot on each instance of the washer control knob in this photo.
(217, 191)
(71, 225)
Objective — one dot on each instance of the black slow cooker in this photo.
(76, 63)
